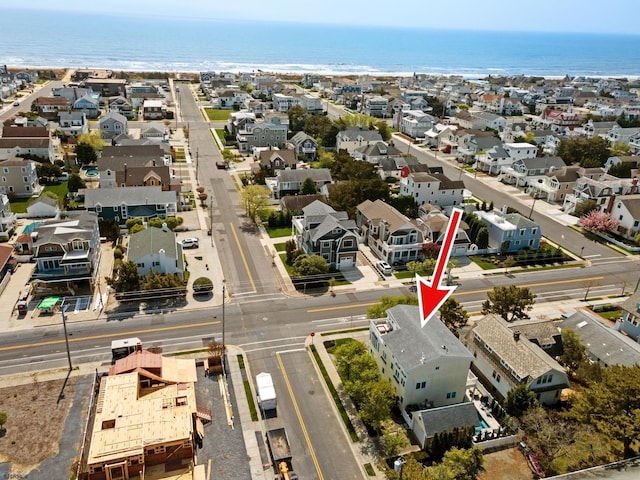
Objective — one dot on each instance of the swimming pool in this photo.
(483, 424)
(92, 172)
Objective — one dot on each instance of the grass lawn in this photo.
(20, 205)
(214, 114)
(482, 263)
(338, 342)
(60, 190)
(280, 247)
(409, 274)
(279, 232)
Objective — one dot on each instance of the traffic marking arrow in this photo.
(431, 295)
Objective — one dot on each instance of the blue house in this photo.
(510, 232)
(630, 322)
(89, 105)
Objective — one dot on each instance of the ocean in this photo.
(74, 40)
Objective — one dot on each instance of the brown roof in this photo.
(136, 175)
(142, 359)
(632, 202)
(25, 132)
(24, 142)
(5, 254)
(60, 101)
(294, 203)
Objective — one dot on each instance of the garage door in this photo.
(346, 262)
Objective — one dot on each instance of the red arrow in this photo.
(431, 295)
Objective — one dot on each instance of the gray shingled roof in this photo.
(412, 345)
(603, 342)
(317, 174)
(130, 196)
(447, 418)
(77, 225)
(536, 163)
(152, 240)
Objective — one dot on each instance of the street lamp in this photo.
(66, 335)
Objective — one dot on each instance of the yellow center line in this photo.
(455, 294)
(302, 425)
(110, 335)
(244, 259)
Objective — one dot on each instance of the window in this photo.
(451, 395)
(488, 348)
(25, 180)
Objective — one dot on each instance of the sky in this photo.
(591, 16)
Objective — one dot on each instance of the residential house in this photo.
(625, 209)
(113, 124)
(618, 134)
(123, 203)
(140, 150)
(146, 419)
(629, 324)
(44, 207)
(230, 99)
(353, 138)
(122, 106)
(321, 230)
(598, 129)
(441, 135)
(238, 121)
(526, 171)
(426, 365)
(271, 131)
(275, 159)
(414, 123)
(470, 142)
(603, 344)
(503, 359)
(468, 120)
(599, 190)
(557, 184)
(18, 178)
(488, 120)
(632, 162)
(72, 93)
(425, 424)
(153, 110)
(107, 87)
(433, 188)
(392, 236)
(510, 232)
(7, 218)
(493, 160)
(49, 107)
(282, 103)
(66, 252)
(376, 106)
(305, 146)
(73, 123)
(154, 130)
(26, 140)
(289, 182)
(295, 203)
(89, 105)
(156, 249)
(559, 120)
(312, 103)
(375, 152)
(391, 167)
(435, 224)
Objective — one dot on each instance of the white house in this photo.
(625, 209)
(433, 188)
(156, 249)
(427, 366)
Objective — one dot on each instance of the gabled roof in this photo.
(413, 346)
(153, 240)
(352, 133)
(294, 203)
(603, 342)
(25, 132)
(288, 157)
(317, 174)
(631, 203)
(536, 163)
(526, 359)
(300, 137)
(113, 115)
(445, 419)
(135, 196)
(77, 225)
(381, 211)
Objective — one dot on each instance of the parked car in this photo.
(384, 268)
(190, 243)
(16, 103)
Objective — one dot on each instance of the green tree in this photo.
(131, 222)
(620, 149)
(344, 355)
(308, 187)
(394, 438)
(48, 171)
(508, 263)
(453, 314)
(297, 117)
(173, 222)
(307, 266)
(573, 351)
(405, 204)
(126, 278)
(356, 120)
(109, 229)
(465, 464)
(202, 285)
(86, 154)
(75, 183)
(510, 302)
(376, 406)
(584, 208)
(519, 400)
(621, 170)
(612, 407)
(156, 280)
(379, 310)
(319, 127)
(482, 240)
(3, 420)
(587, 152)
(255, 199)
(383, 130)
(93, 138)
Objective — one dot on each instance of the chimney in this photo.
(125, 173)
(612, 199)
(516, 335)
(634, 186)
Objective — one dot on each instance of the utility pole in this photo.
(197, 159)
(66, 335)
(224, 345)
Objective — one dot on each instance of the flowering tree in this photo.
(597, 221)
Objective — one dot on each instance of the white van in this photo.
(384, 268)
